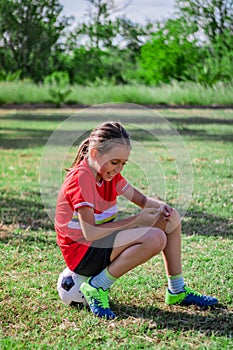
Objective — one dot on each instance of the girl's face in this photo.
(109, 164)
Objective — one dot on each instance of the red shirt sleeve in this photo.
(121, 184)
(79, 190)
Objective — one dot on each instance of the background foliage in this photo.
(36, 40)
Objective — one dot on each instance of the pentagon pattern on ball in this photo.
(67, 283)
(68, 287)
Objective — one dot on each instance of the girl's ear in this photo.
(93, 153)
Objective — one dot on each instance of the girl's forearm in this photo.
(140, 199)
(94, 232)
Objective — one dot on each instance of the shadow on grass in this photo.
(16, 138)
(218, 320)
(10, 234)
(197, 222)
(144, 117)
(25, 213)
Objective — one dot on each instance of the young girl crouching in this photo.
(95, 245)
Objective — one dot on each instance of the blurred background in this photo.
(99, 42)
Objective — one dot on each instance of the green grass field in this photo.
(31, 313)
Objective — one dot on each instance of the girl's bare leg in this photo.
(142, 246)
(172, 262)
(172, 253)
(172, 250)
(134, 247)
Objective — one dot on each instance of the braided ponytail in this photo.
(82, 152)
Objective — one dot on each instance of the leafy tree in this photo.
(169, 53)
(214, 32)
(213, 18)
(99, 29)
(105, 46)
(31, 32)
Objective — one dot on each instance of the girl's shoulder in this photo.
(82, 167)
(80, 174)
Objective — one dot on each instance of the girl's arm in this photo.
(140, 199)
(92, 231)
(143, 201)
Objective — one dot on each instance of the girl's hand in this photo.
(166, 212)
(148, 216)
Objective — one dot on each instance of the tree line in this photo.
(38, 43)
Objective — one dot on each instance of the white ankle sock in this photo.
(104, 280)
(176, 284)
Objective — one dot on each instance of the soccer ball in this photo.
(68, 285)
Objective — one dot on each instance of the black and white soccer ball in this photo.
(68, 287)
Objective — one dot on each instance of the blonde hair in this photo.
(103, 138)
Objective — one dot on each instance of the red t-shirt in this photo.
(79, 189)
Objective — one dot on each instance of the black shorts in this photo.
(96, 259)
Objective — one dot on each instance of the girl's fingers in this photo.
(167, 211)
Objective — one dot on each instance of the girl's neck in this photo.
(92, 167)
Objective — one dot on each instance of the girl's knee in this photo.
(174, 221)
(157, 239)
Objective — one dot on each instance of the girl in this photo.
(96, 246)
